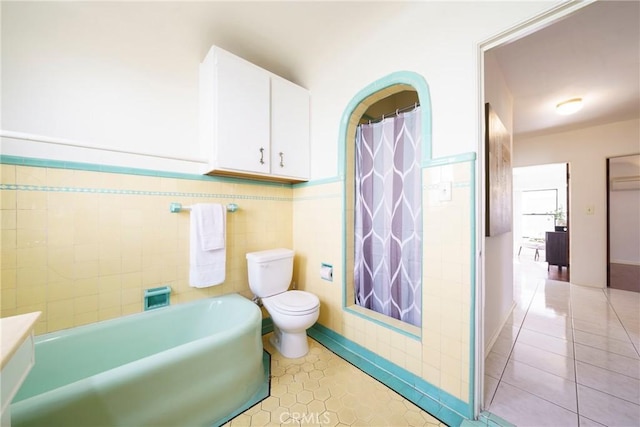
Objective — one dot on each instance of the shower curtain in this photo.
(388, 217)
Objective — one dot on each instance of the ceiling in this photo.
(593, 53)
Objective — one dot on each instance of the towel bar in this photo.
(177, 207)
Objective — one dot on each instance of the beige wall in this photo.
(435, 39)
(85, 250)
(586, 151)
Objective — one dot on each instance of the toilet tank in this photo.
(270, 271)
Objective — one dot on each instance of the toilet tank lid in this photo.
(270, 255)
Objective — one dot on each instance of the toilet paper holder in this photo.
(326, 272)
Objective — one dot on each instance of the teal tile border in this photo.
(419, 83)
(438, 403)
(267, 325)
(410, 78)
(492, 420)
(263, 392)
(348, 309)
(92, 167)
(89, 190)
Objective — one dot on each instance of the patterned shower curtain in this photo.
(388, 217)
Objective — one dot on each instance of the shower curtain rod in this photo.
(394, 113)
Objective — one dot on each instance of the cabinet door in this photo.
(241, 115)
(289, 130)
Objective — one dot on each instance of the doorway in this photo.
(623, 223)
(540, 218)
(495, 275)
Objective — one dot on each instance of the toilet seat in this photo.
(294, 303)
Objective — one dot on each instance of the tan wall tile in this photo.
(8, 200)
(93, 253)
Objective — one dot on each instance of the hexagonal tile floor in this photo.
(321, 389)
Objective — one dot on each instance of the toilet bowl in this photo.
(292, 312)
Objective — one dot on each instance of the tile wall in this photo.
(441, 354)
(82, 246)
(447, 275)
(317, 229)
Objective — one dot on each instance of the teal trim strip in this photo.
(381, 323)
(262, 393)
(492, 420)
(398, 78)
(428, 397)
(267, 325)
(91, 167)
(441, 161)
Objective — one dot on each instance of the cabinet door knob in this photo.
(261, 156)
(281, 159)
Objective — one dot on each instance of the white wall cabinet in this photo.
(289, 129)
(252, 122)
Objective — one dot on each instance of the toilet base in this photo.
(290, 345)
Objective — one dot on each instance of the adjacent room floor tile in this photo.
(544, 360)
(608, 328)
(623, 348)
(543, 384)
(586, 422)
(610, 382)
(607, 409)
(575, 358)
(525, 409)
(494, 365)
(611, 361)
(559, 328)
(546, 342)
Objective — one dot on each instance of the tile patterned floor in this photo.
(321, 389)
(568, 355)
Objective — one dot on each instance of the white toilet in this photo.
(292, 312)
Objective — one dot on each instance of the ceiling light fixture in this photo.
(569, 106)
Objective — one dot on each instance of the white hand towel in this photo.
(211, 226)
(207, 267)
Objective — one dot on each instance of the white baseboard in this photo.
(625, 262)
(494, 337)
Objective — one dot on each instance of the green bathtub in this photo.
(188, 364)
